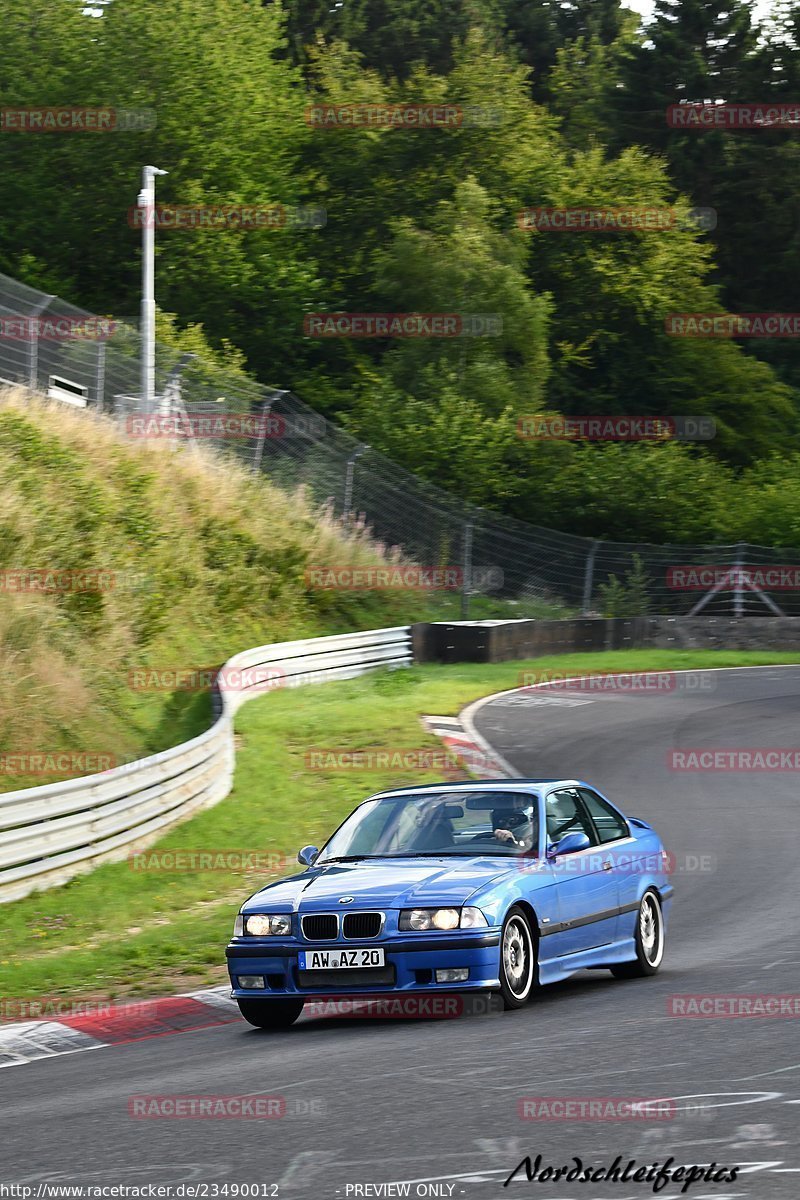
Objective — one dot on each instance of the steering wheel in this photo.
(488, 835)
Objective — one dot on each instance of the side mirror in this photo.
(307, 855)
(571, 844)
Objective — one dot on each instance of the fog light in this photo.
(453, 975)
(252, 982)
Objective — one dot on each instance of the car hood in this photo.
(393, 884)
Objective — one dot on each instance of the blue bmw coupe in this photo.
(456, 887)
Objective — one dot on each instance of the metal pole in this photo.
(147, 202)
(588, 578)
(33, 353)
(262, 433)
(349, 478)
(100, 375)
(738, 590)
(265, 415)
(466, 562)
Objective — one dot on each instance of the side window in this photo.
(565, 815)
(609, 824)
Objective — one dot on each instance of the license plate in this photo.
(339, 959)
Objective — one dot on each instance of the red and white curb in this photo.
(476, 756)
(92, 1026)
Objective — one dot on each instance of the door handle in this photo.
(607, 866)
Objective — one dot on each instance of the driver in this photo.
(514, 823)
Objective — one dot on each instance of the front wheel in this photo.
(517, 960)
(271, 1014)
(650, 941)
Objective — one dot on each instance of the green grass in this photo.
(118, 932)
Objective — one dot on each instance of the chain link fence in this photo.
(500, 566)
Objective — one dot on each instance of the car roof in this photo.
(487, 785)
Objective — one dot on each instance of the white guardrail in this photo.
(50, 833)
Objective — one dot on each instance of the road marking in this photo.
(536, 701)
(763, 1074)
(760, 1098)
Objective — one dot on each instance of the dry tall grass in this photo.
(207, 560)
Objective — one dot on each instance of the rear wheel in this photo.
(650, 941)
(271, 1014)
(517, 959)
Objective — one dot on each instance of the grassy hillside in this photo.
(205, 561)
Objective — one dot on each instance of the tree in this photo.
(391, 36)
(229, 129)
(449, 406)
(540, 29)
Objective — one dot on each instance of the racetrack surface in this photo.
(373, 1102)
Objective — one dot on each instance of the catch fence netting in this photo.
(496, 564)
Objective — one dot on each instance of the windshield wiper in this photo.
(345, 858)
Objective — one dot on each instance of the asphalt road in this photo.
(437, 1102)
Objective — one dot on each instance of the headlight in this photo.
(268, 924)
(238, 926)
(441, 918)
(473, 918)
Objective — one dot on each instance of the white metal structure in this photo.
(50, 833)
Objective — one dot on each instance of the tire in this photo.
(650, 940)
(271, 1014)
(518, 960)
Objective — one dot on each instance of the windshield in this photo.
(438, 823)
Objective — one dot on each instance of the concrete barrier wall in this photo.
(502, 641)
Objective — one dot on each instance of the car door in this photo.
(586, 884)
(618, 847)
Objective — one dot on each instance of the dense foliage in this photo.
(425, 220)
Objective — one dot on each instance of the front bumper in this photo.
(411, 963)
